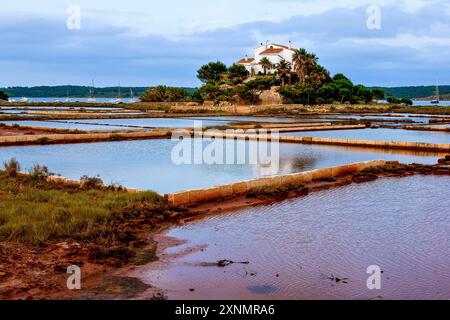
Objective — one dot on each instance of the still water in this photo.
(62, 125)
(295, 247)
(148, 164)
(381, 134)
(230, 119)
(154, 122)
(57, 108)
(380, 118)
(84, 100)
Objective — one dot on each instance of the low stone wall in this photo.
(322, 128)
(272, 125)
(428, 128)
(416, 146)
(81, 137)
(80, 183)
(197, 196)
(75, 131)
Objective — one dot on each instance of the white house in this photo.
(274, 52)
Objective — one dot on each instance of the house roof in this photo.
(270, 51)
(283, 46)
(246, 60)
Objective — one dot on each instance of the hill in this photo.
(415, 92)
(74, 91)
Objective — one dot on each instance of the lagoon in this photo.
(296, 247)
(381, 134)
(148, 164)
(62, 125)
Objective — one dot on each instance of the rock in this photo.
(441, 172)
(224, 263)
(270, 96)
(360, 178)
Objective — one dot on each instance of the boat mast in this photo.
(437, 91)
(91, 90)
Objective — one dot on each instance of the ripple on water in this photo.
(302, 248)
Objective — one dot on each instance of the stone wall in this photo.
(429, 128)
(82, 137)
(416, 146)
(197, 196)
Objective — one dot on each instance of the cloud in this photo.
(412, 47)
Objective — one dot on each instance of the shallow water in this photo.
(84, 100)
(380, 118)
(444, 103)
(229, 119)
(153, 122)
(147, 164)
(63, 125)
(401, 225)
(381, 134)
(58, 108)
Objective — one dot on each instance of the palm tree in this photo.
(266, 64)
(299, 60)
(304, 63)
(319, 75)
(284, 71)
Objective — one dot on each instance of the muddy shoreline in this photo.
(40, 272)
(165, 242)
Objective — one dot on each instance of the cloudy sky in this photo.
(145, 42)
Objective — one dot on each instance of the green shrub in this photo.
(91, 182)
(44, 140)
(12, 167)
(39, 173)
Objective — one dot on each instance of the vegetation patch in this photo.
(277, 191)
(34, 210)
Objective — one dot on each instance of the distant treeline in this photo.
(414, 92)
(113, 92)
(75, 91)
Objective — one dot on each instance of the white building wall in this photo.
(254, 67)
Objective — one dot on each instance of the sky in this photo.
(146, 43)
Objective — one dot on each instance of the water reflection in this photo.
(298, 248)
(148, 164)
(382, 134)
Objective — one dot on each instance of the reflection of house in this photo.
(273, 52)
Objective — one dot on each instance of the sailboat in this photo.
(67, 97)
(119, 98)
(91, 93)
(436, 101)
(131, 95)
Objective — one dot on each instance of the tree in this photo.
(378, 94)
(164, 94)
(237, 73)
(265, 64)
(304, 63)
(3, 95)
(319, 75)
(211, 72)
(363, 93)
(283, 71)
(210, 91)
